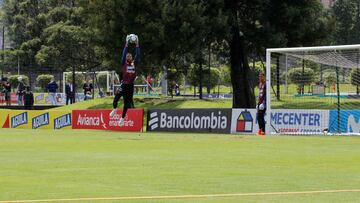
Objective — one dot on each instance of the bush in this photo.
(43, 80)
(14, 80)
(225, 75)
(259, 67)
(330, 79)
(194, 76)
(297, 76)
(173, 75)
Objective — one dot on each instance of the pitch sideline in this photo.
(184, 196)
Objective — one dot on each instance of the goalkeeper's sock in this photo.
(112, 113)
(121, 122)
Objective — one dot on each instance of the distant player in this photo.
(261, 105)
(127, 77)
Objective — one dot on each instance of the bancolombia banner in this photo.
(40, 119)
(101, 120)
(189, 120)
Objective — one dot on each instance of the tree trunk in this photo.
(243, 89)
(73, 82)
(302, 76)
(209, 79)
(201, 79)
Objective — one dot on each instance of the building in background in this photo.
(327, 3)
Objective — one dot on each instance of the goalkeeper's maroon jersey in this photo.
(128, 70)
(262, 94)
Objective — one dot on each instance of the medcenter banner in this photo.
(282, 121)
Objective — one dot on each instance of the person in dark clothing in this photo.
(28, 99)
(177, 89)
(70, 93)
(20, 90)
(128, 75)
(7, 91)
(88, 90)
(261, 105)
(149, 82)
(52, 88)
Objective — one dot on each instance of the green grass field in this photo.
(47, 164)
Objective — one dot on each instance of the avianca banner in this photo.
(101, 120)
(39, 119)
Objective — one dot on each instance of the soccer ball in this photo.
(133, 38)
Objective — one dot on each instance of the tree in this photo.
(212, 79)
(225, 75)
(347, 21)
(68, 39)
(301, 77)
(258, 24)
(355, 79)
(330, 79)
(88, 33)
(25, 21)
(15, 82)
(243, 89)
(43, 81)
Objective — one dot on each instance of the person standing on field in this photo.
(70, 93)
(88, 90)
(7, 91)
(20, 90)
(28, 99)
(52, 88)
(261, 105)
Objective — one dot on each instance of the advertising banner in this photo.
(13, 96)
(349, 121)
(283, 121)
(218, 96)
(189, 120)
(40, 119)
(4, 118)
(101, 120)
(244, 121)
(293, 121)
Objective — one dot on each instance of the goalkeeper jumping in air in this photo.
(127, 78)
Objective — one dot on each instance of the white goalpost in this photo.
(103, 80)
(313, 90)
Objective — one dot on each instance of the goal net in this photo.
(313, 90)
